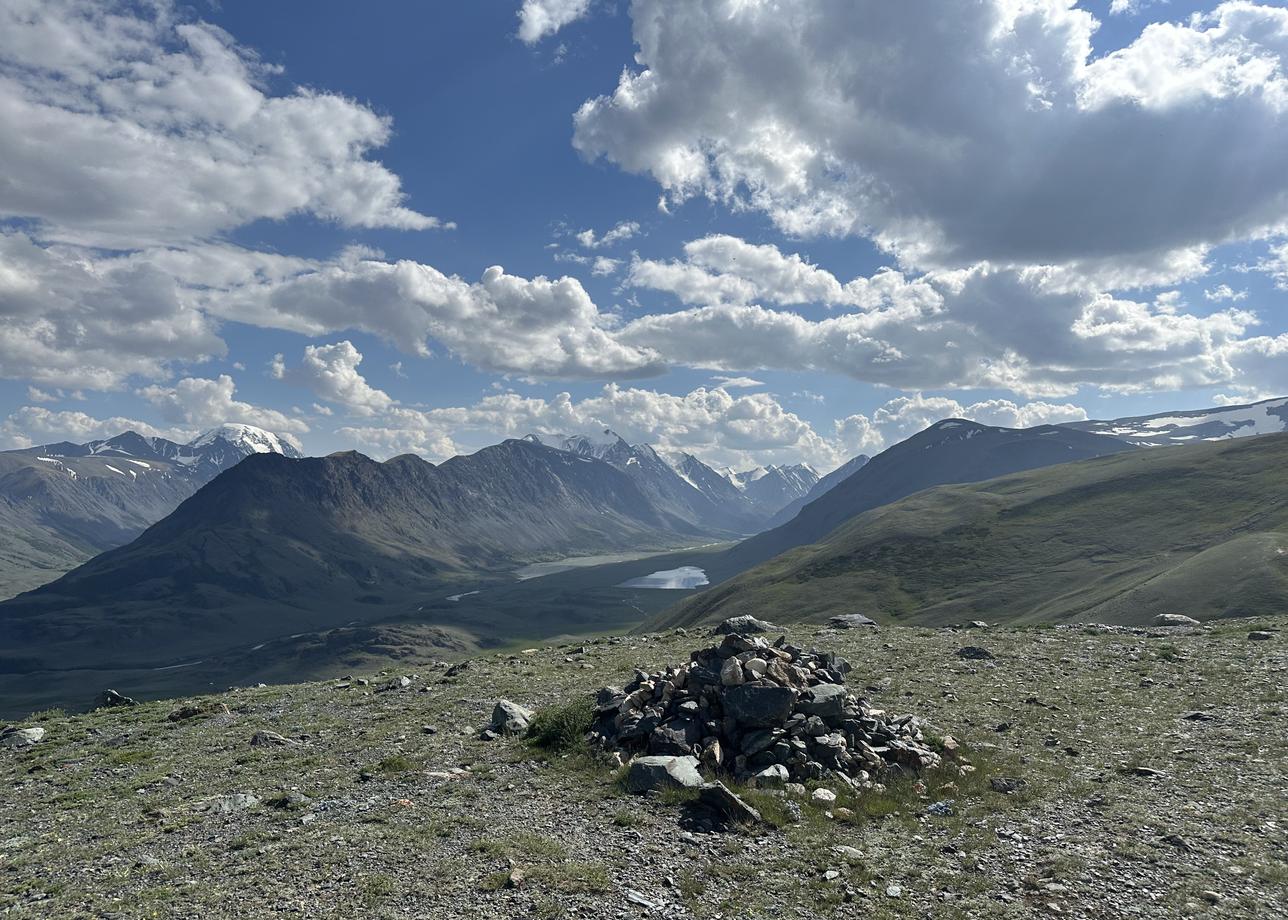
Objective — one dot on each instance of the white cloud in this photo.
(725, 269)
(206, 403)
(1223, 292)
(504, 323)
(989, 135)
(731, 383)
(720, 428)
(71, 318)
(31, 425)
(539, 18)
(129, 125)
(331, 373)
(621, 232)
(975, 329)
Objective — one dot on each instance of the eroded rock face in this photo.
(755, 710)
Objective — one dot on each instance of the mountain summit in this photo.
(62, 503)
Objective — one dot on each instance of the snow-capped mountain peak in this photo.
(597, 444)
(248, 438)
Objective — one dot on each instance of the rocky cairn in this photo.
(768, 713)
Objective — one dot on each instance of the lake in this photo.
(686, 576)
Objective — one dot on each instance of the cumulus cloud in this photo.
(980, 328)
(539, 18)
(539, 326)
(719, 427)
(991, 135)
(140, 127)
(68, 318)
(331, 373)
(622, 231)
(206, 403)
(31, 425)
(725, 269)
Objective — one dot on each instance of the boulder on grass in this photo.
(851, 621)
(510, 718)
(743, 625)
(1175, 619)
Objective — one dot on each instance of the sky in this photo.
(761, 231)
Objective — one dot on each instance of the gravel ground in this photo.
(1152, 771)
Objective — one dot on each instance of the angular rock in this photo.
(773, 777)
(718, 797)
(743, 625)
(15, 739)
(1260, 635)
(731, 673)
(827, 701)
(851, 621)
(109, 699)
(760, 705)
(974, 653)
(265, 738)
(647, 774)
(510, 718)
(1174, 619)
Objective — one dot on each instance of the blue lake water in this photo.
(687, 576)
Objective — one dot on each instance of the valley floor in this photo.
(1153, 768)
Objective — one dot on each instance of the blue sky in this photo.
(1099, 287)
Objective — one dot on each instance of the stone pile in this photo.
(772, 713)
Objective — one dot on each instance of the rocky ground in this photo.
(1140, 775)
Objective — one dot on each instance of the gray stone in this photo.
(974, 653)
(510, 718)
(773, 777)
(760, 704)
(16, 739)
(1174, 619)
(675, 737)
(110, 698)
(721, 800)
(827, 701)
(1260, 635)
(265, 738)
(227, 804)
(647, 774)
(731, 673)
(744, 625)
(851, 621)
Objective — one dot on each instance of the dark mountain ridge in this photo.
(275, 546)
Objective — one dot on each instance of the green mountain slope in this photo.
(1200, 530)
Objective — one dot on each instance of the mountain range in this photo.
(720, 502)
(61, 504)
(276, 546)
(1200, 530)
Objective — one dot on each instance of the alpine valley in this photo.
(232, 556)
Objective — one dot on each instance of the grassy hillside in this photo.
(1200, 530)
(127, 813)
